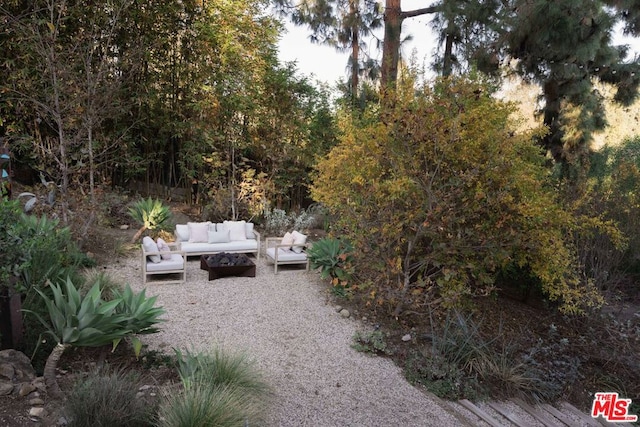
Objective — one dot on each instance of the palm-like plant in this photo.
(152, 214)
(90, 321)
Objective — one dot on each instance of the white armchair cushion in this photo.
(286, 256)
(150, 246)
(299, 240)
(287, 240)
(176, 262)
(163, 247)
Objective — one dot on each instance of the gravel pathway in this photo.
(287, 325)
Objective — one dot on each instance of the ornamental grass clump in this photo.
(107, 398)
(217, 389)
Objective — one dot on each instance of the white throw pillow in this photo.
(249, 231)
(237, 230)
(287, 240)
(198, 232)
(151, 246)
(182, 232)
(219, 236)
(163, 246)
(299, 241)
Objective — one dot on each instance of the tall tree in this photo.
(565, 46)
(393, 18)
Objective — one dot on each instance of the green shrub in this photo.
(108, 398)
(277, 221)
(35, 250)
(441, 193)
(370, 342)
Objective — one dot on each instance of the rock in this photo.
(37, 412)
(145, 387)
(26, 389)
(18, 364)
(7, 371)
(16, 373)
(406, 338)
(36, 402)
(338, 308)
(124, 227)
(345, 313)
(6, 387)
(62, 421)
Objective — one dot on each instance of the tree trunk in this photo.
(50, 370)
(355, 53)
(447, 60)
(391, 45)
(138, 234)
(553, 141)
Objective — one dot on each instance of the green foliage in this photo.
(334, 258)
(108, 397)
(151, 214)
(13, 257)
(370, 342)
(440, 195)
(219, 389)
(89, 321)
(612, 193)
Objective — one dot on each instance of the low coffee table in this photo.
(226, 264)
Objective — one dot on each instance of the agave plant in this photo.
(90, 321)
(152, 214)
(140, 315)
(334, 258)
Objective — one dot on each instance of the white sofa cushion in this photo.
(151, 246)
(219, 236)
(249, 230)
(299, 240)
(249, 245)
(237, 230)
(182, 232)
(175, 263)
(198, 232)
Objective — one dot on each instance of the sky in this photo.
(326, 64)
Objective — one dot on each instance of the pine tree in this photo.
(565, 46)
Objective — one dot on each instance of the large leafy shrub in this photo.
(438, 194)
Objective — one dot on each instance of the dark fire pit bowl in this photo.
(226, 264)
